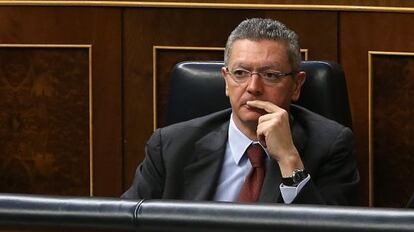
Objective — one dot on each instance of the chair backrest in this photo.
(197, 89)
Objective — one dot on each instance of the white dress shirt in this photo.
(236, 167)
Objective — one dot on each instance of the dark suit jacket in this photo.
(410, 203)
(184, 160)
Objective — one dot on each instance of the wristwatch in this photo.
(297, 176)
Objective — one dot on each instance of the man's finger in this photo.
(267, 106)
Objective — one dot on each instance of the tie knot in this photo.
(256, 154)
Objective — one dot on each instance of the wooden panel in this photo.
(392, 89)
(145, 28)
(394, 3)
(344, 5)
(100, 28)
(361, 33)
(44, 118)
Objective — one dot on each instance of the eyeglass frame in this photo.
(262, 75)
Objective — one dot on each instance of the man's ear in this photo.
(299, 81)
(224, 75)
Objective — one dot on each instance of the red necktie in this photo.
(252, 186)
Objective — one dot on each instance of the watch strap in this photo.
(287, 181)
(298, 176)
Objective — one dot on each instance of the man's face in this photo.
(259, 56)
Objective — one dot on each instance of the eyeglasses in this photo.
(269, 76)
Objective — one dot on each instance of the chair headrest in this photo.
(197, 89)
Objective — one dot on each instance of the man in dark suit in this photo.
(307, 158)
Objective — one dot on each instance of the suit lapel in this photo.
(270, 189)
(298, 134)
(202, 174)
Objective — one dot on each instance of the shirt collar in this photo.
(238, 141)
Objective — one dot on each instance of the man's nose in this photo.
(255, 85)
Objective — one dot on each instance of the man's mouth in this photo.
(255, 109)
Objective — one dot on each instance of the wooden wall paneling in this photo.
(327, 5)
(391, 112)
(44, 118)
(100, 30)
(359, 34)
(145, 28)
(379, 3)
(386, 3)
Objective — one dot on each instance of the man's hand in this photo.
(273, 128)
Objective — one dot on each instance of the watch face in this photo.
(298, 176)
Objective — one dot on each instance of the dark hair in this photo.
(266, 29)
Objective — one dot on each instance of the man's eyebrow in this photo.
(270, 66)
(241, 65)
(264, 67)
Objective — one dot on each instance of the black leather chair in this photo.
(197, 89)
